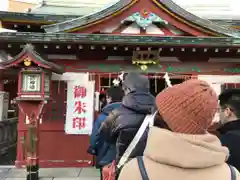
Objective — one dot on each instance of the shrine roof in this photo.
(168, 5)
(28, 51)
(227, 22)
(36, 18)
(104, 39)
(70, 8)
(64, 10)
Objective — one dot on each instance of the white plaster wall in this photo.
(153, 29)
(70, 76)
(220, 79)
(217, 80)
(132, 29)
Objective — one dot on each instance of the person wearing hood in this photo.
(178, 145)
(229, 131)
(123, 123)
(105, 153)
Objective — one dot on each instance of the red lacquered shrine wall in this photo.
(57, 149)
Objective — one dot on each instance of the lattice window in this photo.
(55, 110)
(230, 86)
(157, 82)
(106, 80)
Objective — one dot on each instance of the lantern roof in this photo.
(30, 55)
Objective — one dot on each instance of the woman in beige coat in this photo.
(186, 151)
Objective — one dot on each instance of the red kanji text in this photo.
(79, 123)
(80, 91)
(80, 107)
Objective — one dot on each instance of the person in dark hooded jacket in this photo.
(122, 124)
(105, 153)
(230, 124)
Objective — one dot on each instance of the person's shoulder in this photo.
(101, 117)
(237, 173)
(233, 171)
(229, 138)
(130, 169)
(230, 134)
(110, 107)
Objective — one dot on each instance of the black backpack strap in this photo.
(142, 168)
(233, 172)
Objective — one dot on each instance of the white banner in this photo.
(80, 107)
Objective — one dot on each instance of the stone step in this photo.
(52, 174)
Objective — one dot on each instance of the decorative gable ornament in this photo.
(144, 19)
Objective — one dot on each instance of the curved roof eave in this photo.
(87, 19)
(168, 4)
(31, 17)
(207, 24)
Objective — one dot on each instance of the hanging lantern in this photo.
(145, 58)
(34, 74)
(35, 82)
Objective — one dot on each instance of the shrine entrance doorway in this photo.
(157, 81)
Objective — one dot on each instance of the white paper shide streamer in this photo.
(167, 80)
(117, 81)
(121, 76)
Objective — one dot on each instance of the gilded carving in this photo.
(145, 58)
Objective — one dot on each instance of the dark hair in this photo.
(160, 123)
(230, 98)
(116, 93)
(233, 103)
(102, 96)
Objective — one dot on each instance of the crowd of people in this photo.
(179, 145)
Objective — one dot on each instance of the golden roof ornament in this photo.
(27, 62)
(145, 58)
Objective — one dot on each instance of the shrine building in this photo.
(153, 37)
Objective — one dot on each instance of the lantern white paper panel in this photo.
(31, 82)
(75, 122)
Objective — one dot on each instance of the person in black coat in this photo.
(230, 124)
(122, 124)
(105, 153)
